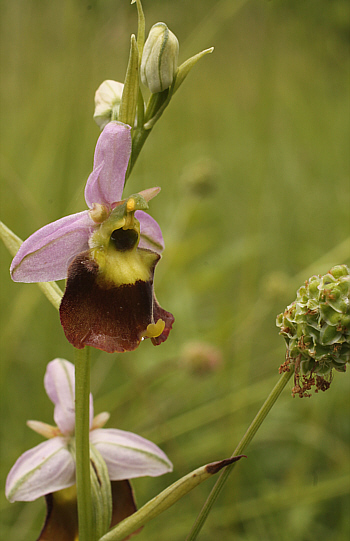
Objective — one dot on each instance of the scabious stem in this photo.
(243, 444)
(82, 392)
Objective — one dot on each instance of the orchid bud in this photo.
(159, 59)
(107, 102)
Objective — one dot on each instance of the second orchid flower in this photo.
(49, 469)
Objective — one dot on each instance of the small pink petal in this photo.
(46, 468)
(151, 234)
(45, 255)
(100, 420)
(59, 384)
(150, 193)
(106, 182)
(44, 429)
(128, 455)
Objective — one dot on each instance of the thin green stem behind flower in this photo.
(82, 445)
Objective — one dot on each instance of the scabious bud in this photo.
(159, 58)
(316, 328)
(107, 102)
(201, 358)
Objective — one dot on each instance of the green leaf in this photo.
(165, 499)
(11, 241)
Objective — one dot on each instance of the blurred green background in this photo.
(253, 160)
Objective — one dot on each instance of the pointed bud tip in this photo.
(215, 467)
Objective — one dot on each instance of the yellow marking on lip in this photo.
(154, 329)
(119, 268)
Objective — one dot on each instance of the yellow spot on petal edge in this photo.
(154, 329)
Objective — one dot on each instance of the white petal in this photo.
(46, 468)
(59, 383)
(128, 455)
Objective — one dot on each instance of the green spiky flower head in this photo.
(316, 328)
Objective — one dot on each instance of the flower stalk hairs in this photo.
(108, 253)
(49, 468)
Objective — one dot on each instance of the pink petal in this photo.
(150, 193)
(46, 254)
(128, 455)
(46, 468)
(59, 385)
(106, 182)
(151, 234)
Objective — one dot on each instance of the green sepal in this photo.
(329, 315)
(158, 102)
(314, 291)
(140, 27)
(186, 67)
(339, 367)
(128, 103)
(101, 493)
(339, 270)
(329, 335)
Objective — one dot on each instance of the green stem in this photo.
(155, 107)
(243, 444)
(138, 140)
(82, 398)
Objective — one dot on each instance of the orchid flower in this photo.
(49, 468)
(108, 253)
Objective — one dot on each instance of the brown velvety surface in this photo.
(104, 316)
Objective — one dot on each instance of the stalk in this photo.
(243, 444)
(82, 427)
